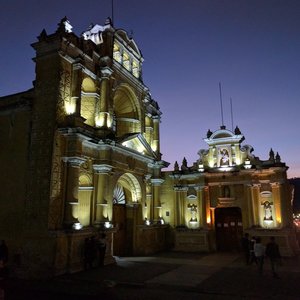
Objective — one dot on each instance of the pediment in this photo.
(129, 41)
(138, 143)
(224, 136)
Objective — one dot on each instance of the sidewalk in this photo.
(176, 275)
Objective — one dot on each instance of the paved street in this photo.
(176, 275)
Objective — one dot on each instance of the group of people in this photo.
(94, 251)
(255, 252)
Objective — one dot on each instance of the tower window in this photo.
(135, 69)
(117, 53)
(126, 61)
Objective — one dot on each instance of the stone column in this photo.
(202, 207)
(76, 87)
(156, 183)
(103, 117)
(156, 146)
(249, 206)
(102, 175)
(206, 210)
(72, 184)
(177, 206)
(255, 203)
(147, 205)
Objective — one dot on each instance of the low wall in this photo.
(285, 238)
(192, 240)
(151, 239)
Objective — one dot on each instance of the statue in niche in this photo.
(193, 209)
(268, 210)
(224, 160)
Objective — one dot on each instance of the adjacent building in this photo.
(228, 191)
(80, 156)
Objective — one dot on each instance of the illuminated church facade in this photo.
(80, 156)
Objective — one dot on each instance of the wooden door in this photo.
(229, 230)
(119, 220)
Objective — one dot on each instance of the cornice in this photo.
(102, 169)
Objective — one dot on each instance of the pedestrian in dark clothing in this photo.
(101, 245)
(252, 255)
(259, 251)
(272, 252)
(246, 247)
(90, 252)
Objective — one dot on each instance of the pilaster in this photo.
(71, 201)
(101, 206)
(103, 117)
(156, 145)
(202, 208)
(156, 184)
(255, 189)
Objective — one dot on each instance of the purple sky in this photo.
(251, 47)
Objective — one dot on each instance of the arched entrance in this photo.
(229, 229)
(127, 194)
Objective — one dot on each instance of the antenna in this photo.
(231, 114)
(221, 102)
(112, 12)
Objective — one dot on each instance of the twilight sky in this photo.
(252, 47)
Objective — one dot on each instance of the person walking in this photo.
(101, 245)
(89, 252)
(252, 255)
(259, 251)
(272, 252)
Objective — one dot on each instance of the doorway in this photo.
(119, 220)
(229, 228)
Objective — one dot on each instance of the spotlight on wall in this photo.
(193, 221)
(77, 226)
(247, 164)
(201, 168)
(107, 224)
(161, 221)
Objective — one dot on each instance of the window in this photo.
(126, 61)
(117, 53)
(135, 69)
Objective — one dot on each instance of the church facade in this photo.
(80, 156)
(227, 192)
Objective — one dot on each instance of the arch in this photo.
(127, 190)
(88, 101)
(127, 111)
(88, 85)
(132, 44)
(85, 180)
(126, 103)
(85, 193)
(222, 133)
